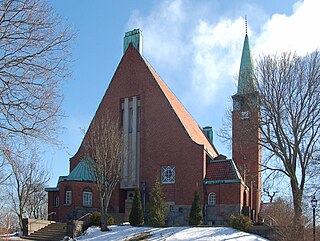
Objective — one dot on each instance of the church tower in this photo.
(246, 151)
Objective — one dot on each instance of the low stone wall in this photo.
(262, 230)
(75, 228)
(31, 225)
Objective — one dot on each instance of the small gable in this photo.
(222, 170)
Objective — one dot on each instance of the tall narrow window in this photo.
(122, 114)
(57, 202)
(212, 199)
(68, 197)
(87, 199)
(138, 117)
(130, 119)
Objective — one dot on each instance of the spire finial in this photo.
(246, 22)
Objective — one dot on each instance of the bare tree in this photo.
(34, 59)
(37, 203)
(4, 175)
(279, 216)
(289, 87)
(29, 179)
(104, 146)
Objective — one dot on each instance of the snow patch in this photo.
(126, 232)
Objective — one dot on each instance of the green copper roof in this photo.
(247, 82)
(80, 173)
(51, 189)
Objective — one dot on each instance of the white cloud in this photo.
(163, 33)
(216, 50)
(297, 32)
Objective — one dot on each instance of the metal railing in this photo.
(82, 217)
(52, 213)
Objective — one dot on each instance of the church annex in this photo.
(165, 142)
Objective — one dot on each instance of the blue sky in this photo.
(194, 45)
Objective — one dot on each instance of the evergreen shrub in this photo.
(136, 214)
(158, 207)
(196, 216)
(240, 222)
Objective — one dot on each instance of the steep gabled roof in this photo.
(190, 125)
(222, 170)
(192, 129)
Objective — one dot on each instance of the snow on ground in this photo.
(125, 232)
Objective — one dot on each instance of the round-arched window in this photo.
(212, 199)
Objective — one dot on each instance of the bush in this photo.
(136, 214)
(110, 220)
(240, 222)
(96, 219)
(196, 217)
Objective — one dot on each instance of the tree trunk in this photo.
(297, 206)
(104, 225)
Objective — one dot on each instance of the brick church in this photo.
(165, 142)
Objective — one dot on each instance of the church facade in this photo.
(165, 142)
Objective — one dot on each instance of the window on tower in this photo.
(245, 115)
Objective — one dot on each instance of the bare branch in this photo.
(29, 178)
(289, 87)
(34, 60)
(104, 147)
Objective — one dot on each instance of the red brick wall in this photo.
(228, 193)
(247, 152)
(77, 189)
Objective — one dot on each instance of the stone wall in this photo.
(178, 215)
(219, 215)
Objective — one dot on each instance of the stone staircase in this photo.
(52, 232)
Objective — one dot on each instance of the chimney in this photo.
(134, 37)
(208, 133)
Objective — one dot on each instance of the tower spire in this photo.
(247, 81)
(246, 22)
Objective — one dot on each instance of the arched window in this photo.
(212, 199)
(87, 197)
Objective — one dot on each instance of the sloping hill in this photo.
(128, 232)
